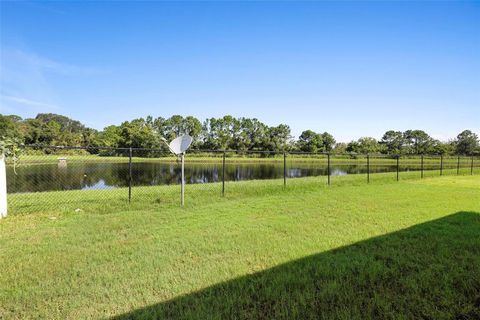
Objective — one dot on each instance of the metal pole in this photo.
(183, 179)
(223, 174)
(441, 165)
(368, 168)
(421, 167)
(471, 167)
(328, 167)
(398, 167)
(458, 165)
(129, 174)
(284, 169)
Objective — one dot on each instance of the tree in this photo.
(66, 124)
(50, 134)
(340, 147)
(417, 141)
(310, 141)
(364, 145)
(10, 127)
(191, 126)
(220, 132)
(353, 147)
(252, 135)
(54, 129)
(138, 133)
(393, 142)
(466, 143)
(110, 137)
(443, 148)
(31, 129)
(226, 132)
(328, 141)
(278, 138)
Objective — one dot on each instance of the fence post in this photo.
(284, 169)
(3, 187)
(441, 165)
(129, 174)
(471, 167)
(458, 165)
(421, 167)
(328, 167)
(368, 168)
(398, 167)
(223, 174)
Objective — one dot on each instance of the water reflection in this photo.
(74, 176)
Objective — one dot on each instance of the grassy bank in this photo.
(167, 196)
(385, 250)
(235, 158)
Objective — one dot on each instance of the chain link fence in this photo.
(47, 179)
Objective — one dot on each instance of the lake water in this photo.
(94, 175)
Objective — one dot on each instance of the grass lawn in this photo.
(384, 250)
(448, 161)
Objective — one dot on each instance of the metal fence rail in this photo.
(71, 178)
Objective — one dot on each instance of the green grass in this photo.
(384, 250)
(28, 159)
(167, 196)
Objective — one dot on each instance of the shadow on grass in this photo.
(429, 271)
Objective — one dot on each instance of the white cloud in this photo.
(50, 65)
(25, 84)
(27, 102)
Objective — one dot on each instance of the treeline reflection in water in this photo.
(93, 175)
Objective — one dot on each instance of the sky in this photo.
(353, 69)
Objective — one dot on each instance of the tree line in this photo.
(244, 134)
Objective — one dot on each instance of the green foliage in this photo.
(310, 141)
(417, 142)
(328, 141)
(10, 150)
(443, 148)
(138, 133)
(340, 147)
(364, 145)
(110, 136)
(9, 127)
(393, 141)
(9, 147)
(278, 138)
(226, 133)
(243, 134)
(467, 143)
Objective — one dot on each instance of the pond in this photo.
(95, 175)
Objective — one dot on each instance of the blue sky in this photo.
(352, 69)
